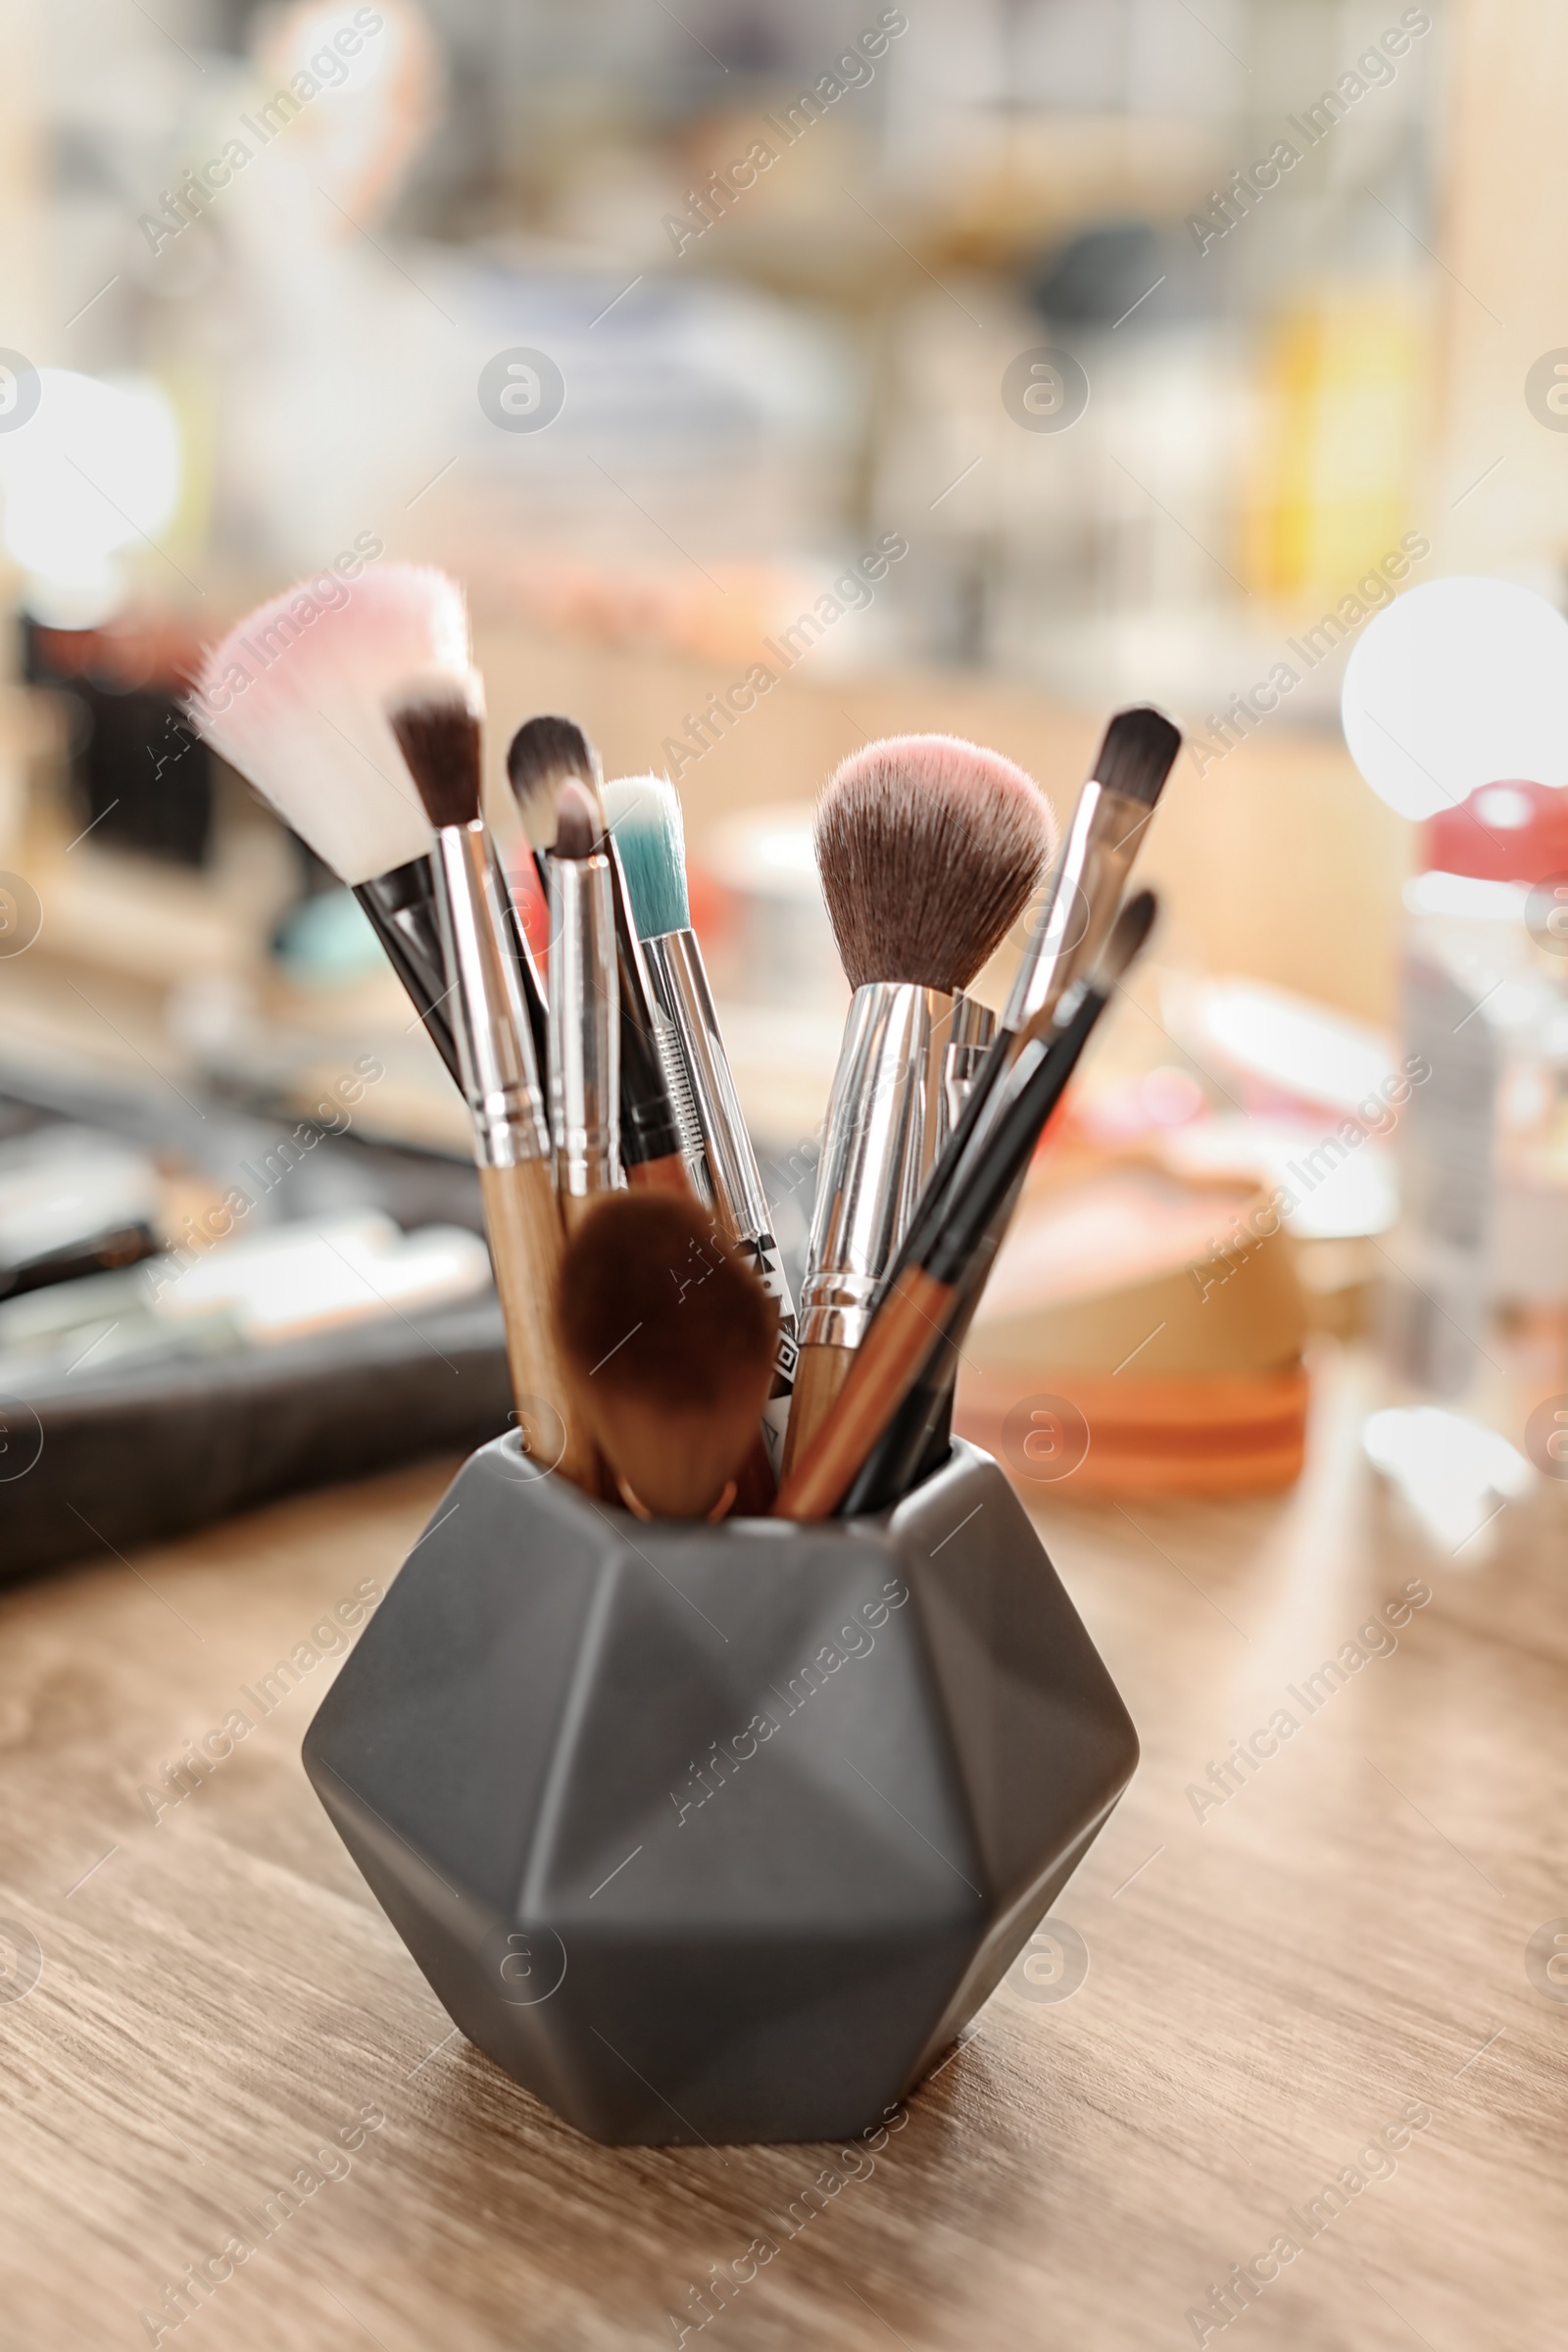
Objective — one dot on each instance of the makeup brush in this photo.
(435, 718)
(669, 1339)
(937, 1276)
(1108, 830)
(645, 821)
(584, 1014)
(929, 849)
(293, 699)
(544, 755)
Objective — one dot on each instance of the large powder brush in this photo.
(668, 1337)
(294, 698)
(929, 849)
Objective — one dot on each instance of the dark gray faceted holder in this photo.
(712, 1834)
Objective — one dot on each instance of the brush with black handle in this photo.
(544, 755)
(952, 1244)
(436, 721)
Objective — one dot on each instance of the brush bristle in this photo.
(437, 724)
(643, 814)
(577, 825)
(652, 1304)
(1129, 938)
(541, 755)
(929, 849)
(1137, 753)
(294, 698)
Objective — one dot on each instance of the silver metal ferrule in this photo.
(584, 1027)
(887, 1121)
(974, 1025)
(490, 1023)
(1081, 903)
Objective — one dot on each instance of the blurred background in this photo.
(1149, 349)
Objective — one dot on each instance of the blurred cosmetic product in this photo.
(773, 939)
(257, 1290)
(1453, 711)
(1486, 1138)
(73, 1199)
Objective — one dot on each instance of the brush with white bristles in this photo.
(293, 698)
(645, 822)
(435, 717)
(929, 849)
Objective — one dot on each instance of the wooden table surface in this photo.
(195, 2007)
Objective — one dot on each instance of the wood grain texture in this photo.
(1266, 1988)
(524, 1224)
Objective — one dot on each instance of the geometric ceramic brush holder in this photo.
(710, 1834)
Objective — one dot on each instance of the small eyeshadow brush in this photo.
(584, 1013)
(436, 721)
(544, 755)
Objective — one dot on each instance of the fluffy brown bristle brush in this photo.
(545, 755)
(669, 1341)
(436, 721)
(929, 849)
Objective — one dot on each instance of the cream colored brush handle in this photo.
(818, 1378)
(524, 1228)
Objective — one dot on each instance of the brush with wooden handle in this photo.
(936, 1279)
(436, 721)
(928, 849)
(544, 755)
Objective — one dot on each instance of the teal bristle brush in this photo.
(643, 812)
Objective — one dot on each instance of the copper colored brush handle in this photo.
(524, 1224)
(667, 1175)
(882, 1371)
(820, 1375)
